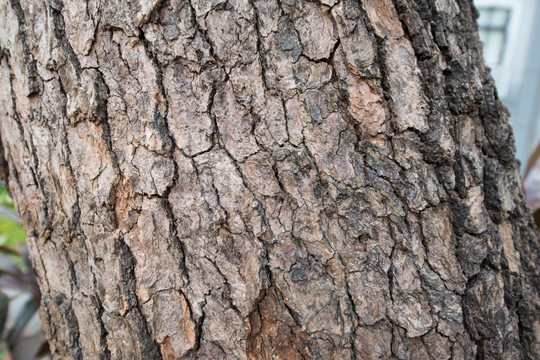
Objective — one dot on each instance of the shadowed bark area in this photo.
(266, 179)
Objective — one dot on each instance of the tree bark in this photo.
(266, 179)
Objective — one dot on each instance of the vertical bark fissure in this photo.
(104, 334)
(4, 165)
(56, 7)
(72, 324)
(74, 222)
(149, 347)
(161, 125)
(29, 61)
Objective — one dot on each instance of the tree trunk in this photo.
(266, 179)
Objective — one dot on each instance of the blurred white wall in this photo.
(516, 68)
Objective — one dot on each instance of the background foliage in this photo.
(11, 233)
(20, 330)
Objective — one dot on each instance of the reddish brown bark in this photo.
(266, 179)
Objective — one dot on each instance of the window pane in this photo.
(485, 17)
(493, 48)
(499, 17)
(492, 26)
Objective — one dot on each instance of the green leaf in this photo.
(5, 199)
(4, 353)
(11, 233)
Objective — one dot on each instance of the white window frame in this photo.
(504, 72)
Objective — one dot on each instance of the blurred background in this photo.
(510, 31)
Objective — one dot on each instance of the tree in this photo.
(268, 179)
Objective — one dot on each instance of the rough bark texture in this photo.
(266, 179)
